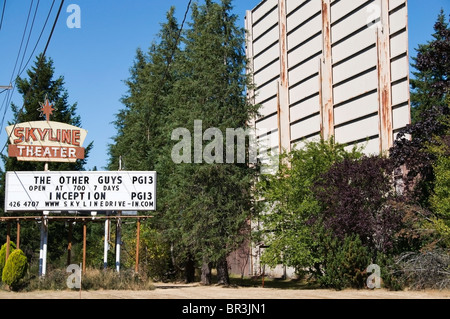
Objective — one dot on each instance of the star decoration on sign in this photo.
(46, 109)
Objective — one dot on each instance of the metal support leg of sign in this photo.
(138, 233)
(44, 223)
(43, 247)
(8, 240)
(44, 241)
(69, 244)
(18, 235)
(84, 247)
(118, 242)
(106, 245)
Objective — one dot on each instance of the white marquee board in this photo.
(80, 191)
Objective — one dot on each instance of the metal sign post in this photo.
(43, 248)
(106, 244)
(44, 241)
(118, 242)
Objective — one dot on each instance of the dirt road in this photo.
(196, 291)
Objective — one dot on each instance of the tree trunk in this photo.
(206, 278)
(222, 272)
(189, 271)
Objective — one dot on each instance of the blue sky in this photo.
(96, 58)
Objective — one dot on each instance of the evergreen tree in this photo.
(34, 89)
(143, 128)
(209, 203)
(202, 208)
(129, 123)
(431, 82)
(421, 148)
(140, 125)
(430, 113)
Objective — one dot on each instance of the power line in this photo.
(3, 14)
(179, 35)
(177, 40)
(8, 97)
(30, 57)
(53, 27)
(48, 42)
(42, 57)
(184, 21)
(1, 24)
(39, 39)
(37, 69)
(29, 34)
(23, 38)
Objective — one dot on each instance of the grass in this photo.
(268, 282)
(97, 279)
(92, 279)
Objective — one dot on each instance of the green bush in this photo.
(95, 279)
(390, 272)
(15, 268)
(345, 264)
(54, 279)
(12, 247)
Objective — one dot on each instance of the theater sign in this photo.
(46, 141)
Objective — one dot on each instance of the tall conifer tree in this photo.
(143, 129)
(211, 202)
(39, 84)
(34, 89)
(431, 82)
(140, 124)
(196, 75)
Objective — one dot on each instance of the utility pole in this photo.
(8, 87)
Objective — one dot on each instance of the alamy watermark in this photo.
(74, 279)
(374, 280)
(236, 145)
(74, 19)
(374, 15)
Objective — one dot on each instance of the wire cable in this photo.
(29, 59)
(36, 73)
(53, 27)
(39, 39)
(178, 37)
(3, 14)
(9, 95)
(29, 35)
(21, 42)
(177, 40)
